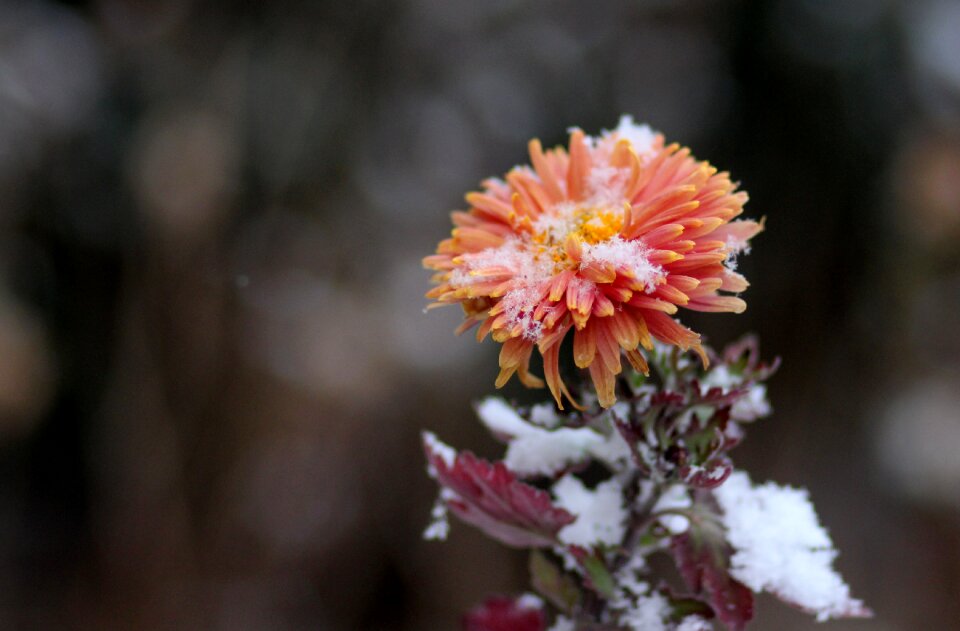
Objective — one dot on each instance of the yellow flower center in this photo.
(598, 224)
(591, 224)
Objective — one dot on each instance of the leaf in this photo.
(599, 578)
(552, 583)
(710, 475)
(703, 562)
(502, 613)
(490, 497)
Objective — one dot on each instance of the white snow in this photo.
(640, 136)
(435, 445)
(544, 415)
(625, 255)
(529, 272)
(694, 623)
(534, 450)
(675, 496)
(780, 546)
(752, 405)
(649, 613)
(529, 601)
(601, 516)
(439, 526)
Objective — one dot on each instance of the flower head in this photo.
(607, 238)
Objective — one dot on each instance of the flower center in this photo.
(598, 224)
(593, 224)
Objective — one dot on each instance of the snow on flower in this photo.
(537, 451)
(780, 547)
(601, 516)
(606, 238)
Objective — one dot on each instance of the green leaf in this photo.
(552, 583)
(599, 576)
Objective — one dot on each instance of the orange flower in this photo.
(607, 238)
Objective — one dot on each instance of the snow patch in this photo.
(447, 453)
(601, 516)
(780, 547)
(675, 497)
(534, 450)
(630, 256)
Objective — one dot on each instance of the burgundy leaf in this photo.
(704, 570)
(709, 476)
(501, 613)
(490, 497)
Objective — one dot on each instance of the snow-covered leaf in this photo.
(780, 547)
(489, 496)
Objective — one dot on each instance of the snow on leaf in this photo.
(701, 559)
(489, 496)
(780, 547)
(501, 613)
(534, 450)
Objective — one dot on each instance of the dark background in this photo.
(214, 363)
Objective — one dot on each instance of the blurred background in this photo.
(214, 363)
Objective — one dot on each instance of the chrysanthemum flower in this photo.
(607, 238)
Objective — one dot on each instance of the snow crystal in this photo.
(694, 623)
(735, 247)
(447, 453)
(529, 601)
(607, 185)
(501, 418)
(529, 271)
(752, 405)
(544, 415)
(534, 450)
(626, 255)
(439, 526)
(781, 547)
(650, 613)
(563, 624)
(640, 136)
(675, 496)
(600, 513)
(719, 376)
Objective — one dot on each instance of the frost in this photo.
(752, 405)
(445, 451)
(735, 247)
(694, 623)
(640, 136)
(529, 601)
(650, 613)
(607, 185)
(537, 451)
(780, 547)
(676, 496)
(545, 415)
(439, 526)
(601, 516)
(625, 255)
(528, 271)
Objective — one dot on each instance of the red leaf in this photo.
(500, 613)
(704, 569)
(489, 496)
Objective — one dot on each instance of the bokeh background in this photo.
(214, 363)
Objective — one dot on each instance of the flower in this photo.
(607, 239)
